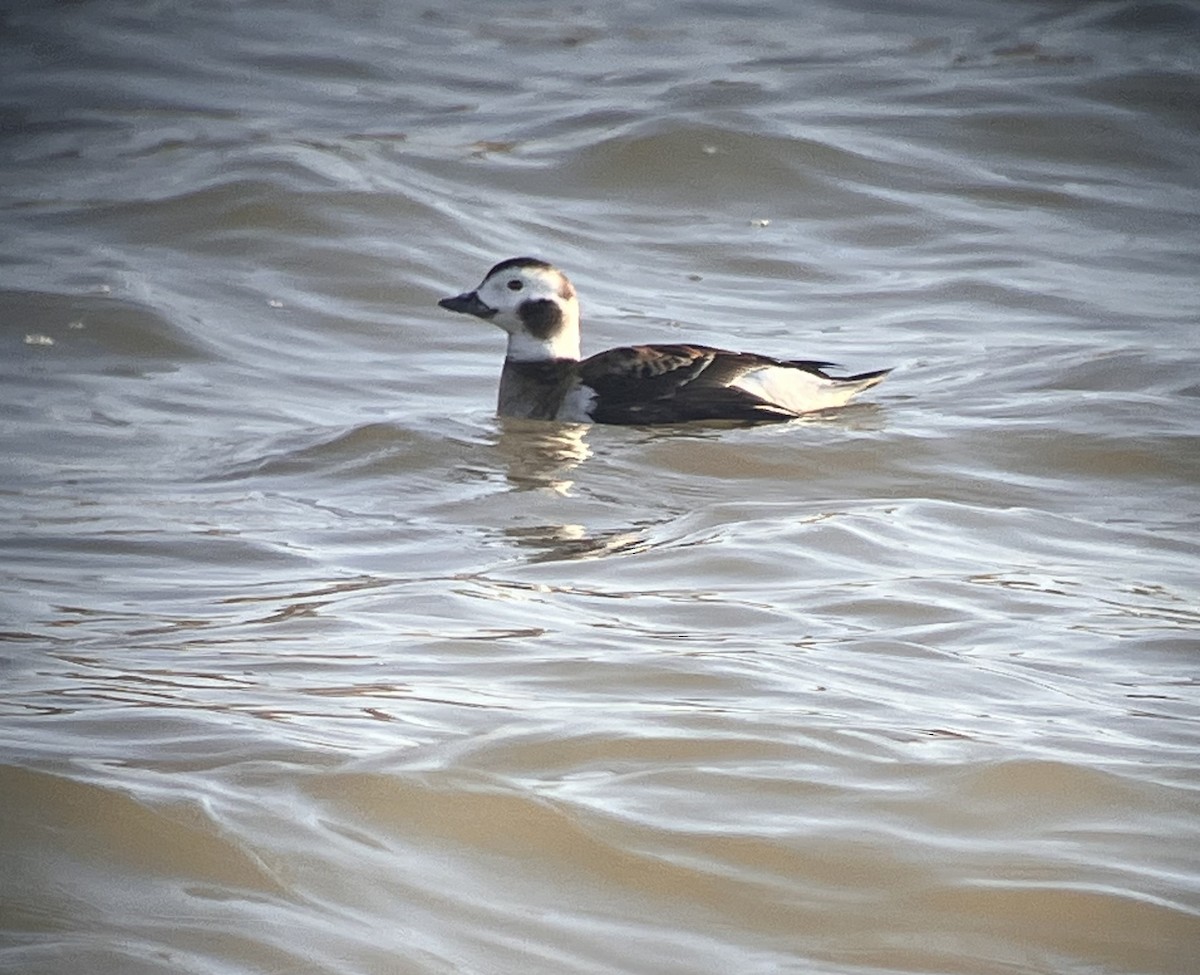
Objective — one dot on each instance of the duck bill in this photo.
(468, 303)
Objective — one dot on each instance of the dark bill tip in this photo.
(467, 303)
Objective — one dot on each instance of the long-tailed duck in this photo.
(544, 378)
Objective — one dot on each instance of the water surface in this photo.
(311, 664)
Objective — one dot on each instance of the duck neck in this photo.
(563, 344)
(534, 389)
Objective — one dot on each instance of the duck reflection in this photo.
(563, 543)
(537, 455)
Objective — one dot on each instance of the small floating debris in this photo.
(485, 147)
(274, 303)
(760, 222)
(76, 326)
(36, 338)
(709, 150)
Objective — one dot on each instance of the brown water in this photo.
(310, 665)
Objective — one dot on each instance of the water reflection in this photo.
(561, 543)
(536, 454)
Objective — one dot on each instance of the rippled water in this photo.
(311, 665)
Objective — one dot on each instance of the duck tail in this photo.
(863, 380)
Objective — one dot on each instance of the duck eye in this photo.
(515, 285)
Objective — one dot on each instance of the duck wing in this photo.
(678, 383)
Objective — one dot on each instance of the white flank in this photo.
(797, 390)
(577, 405)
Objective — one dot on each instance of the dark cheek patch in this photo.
(542, 318)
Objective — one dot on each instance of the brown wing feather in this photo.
(673, 383)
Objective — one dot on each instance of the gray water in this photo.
(312, 665)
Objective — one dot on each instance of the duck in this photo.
(545, 378)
